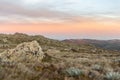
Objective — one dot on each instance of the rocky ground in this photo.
(33, 60)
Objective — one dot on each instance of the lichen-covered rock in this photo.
(26, 52)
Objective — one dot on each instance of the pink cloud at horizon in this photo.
(85, 28)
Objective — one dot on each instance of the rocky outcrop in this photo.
(24, 52)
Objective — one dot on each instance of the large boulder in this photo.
(24, 52)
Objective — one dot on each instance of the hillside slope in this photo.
(12, 40)
(27, 61)
(105, 44)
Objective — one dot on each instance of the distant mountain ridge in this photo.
(105, 44)
(11, 40)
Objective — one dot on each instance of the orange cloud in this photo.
(89, 27)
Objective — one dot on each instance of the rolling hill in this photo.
(105, 44)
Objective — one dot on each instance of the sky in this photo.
(62, 19)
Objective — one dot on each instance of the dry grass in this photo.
(95, 64)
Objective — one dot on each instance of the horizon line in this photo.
(29, 34)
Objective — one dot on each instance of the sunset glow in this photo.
(98, 19)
